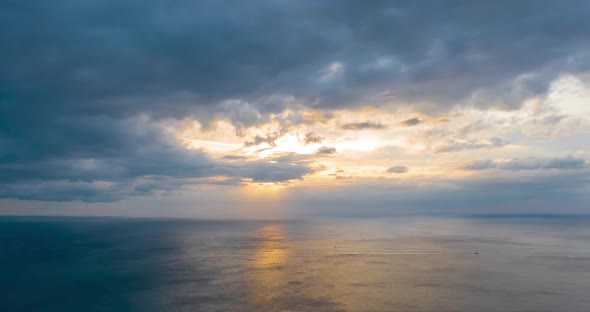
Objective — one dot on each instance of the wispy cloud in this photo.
(326, 150)
(470, 145)
(532, 163)
(397, 169)
(411, 122)
(363, 125)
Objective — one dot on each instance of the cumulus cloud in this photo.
(268, 139)
(311, 138)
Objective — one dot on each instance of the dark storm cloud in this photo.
(83, 83)
(123, 58)
(532, 163)
(363, 125)
(105, 180)
(101, 159)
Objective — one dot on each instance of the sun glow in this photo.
(288, 143)
(364, 144)
(261, 197)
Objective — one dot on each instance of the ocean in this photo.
(443, 263)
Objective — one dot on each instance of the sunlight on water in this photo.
(404, 264)
(272, 250)
(269, 258)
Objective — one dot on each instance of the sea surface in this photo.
(522, 263)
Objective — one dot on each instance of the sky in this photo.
(271, 108)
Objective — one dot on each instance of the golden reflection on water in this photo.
(272, 250)
(346, 273)
(268, 274)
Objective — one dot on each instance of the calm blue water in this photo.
(395, 264)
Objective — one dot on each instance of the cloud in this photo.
(470, 145)
(103, 159)
(363, 125)
(411, 122)
(234, 157)
(477, 165)
(552, 125)
(563, 163)
(67, 183)
(311, 138)
(220, 53)
(264, 171)
(326, 150)
(268, 139)
(568, 162)
(86, 94)
(508, 193)
(397, 169)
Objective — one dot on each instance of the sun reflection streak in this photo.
(269, 259)
(272, 250)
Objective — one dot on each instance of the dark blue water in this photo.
(395, 264)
